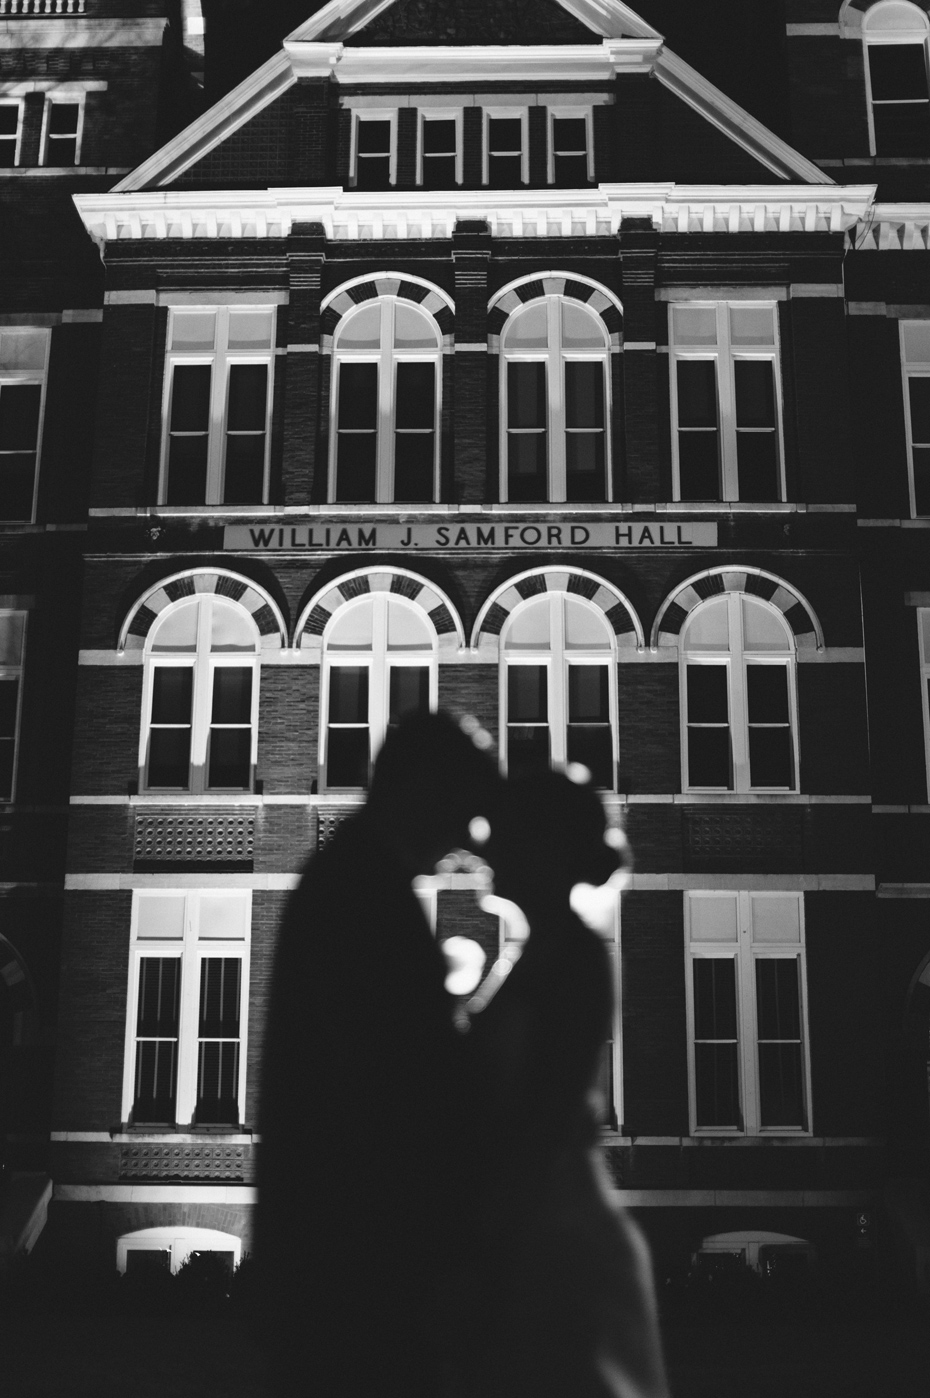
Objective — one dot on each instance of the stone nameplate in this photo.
(363, 536)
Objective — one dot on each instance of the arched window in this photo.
(166, 1249)
(386, 356)
(895, 34)
(379, 663)
(554, 392)
(558, 688)
(738, 697)
(200, 698)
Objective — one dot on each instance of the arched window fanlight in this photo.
(554, 391)
(895, 34)
(386, 382)
(200, 698)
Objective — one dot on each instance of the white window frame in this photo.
(506, 114)
(574, 114)
(737, 659)
(191, 951)
(30, 376)
(387, 358)
(557, 659)
(455, 114)
(62, 97)
(221, 359)
(725, 355)
(178, 1242)
(911, 369)
(204, 663)
(15, 672)
(360, 114)
(923, 648)
(555, 358)
(919, 34)
(378, 660)
(18, 141)
(745, 952)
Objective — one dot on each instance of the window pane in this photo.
(156, 1075)
(9, 118)
(373, 163)
(439, 145)
(232, 694)
(777, 998)
(12, 628)
(17, 485)
(244, 477)
(416, 393)
(713, 919)
(584, 461)
(219, 997)
(716, 1085)
(589, 735)
(757, 466)
(409, 691)
(248, 397)
(694, 325)
(919, 395)
(917, 342)
(767, 690)
(348, 694)
(527, 694)
(230, 758)
(193, 330)
(172, 688)
(709, 757)
(570, 146)
(505, 147)
(922, 480)
(358, 397)
(755, 393)
(251, 329)
(526, 395)
(414, 442)
(591, 745)
(697, 393)
(581, 328)
(527, 749)
(361, 329)
(217, 1082)
(439, 137)
(231, 629)
(22, 348)
(526, 467)
(898, 72)
(707, 694)
(752, 325)
(357, 436)
(146, 1262)
(187, 471)
(714, 998)
(347, 757)
(9, 690)
(779, 1023)
(176, 628)
(414, 467)
(159, 996)
(19, 416)
(529, 329)
(780, 1085)
(63, 118)
(584, 395)
(190, 398)
(374, 137)
(902, 128)
(223, 915)
(698, 469)
(169, 757)
(355, 467)
(413, 329)
(770, 757)
(588, 694)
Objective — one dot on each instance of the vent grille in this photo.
(171, 841)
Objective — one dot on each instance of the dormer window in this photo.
(506, 154)
(11, 126)
(374, 149)
(571, 160)
(895, 35)
(440, 149)
(61, 133)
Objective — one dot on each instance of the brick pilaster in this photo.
(312, 146)
(471, 254)
(303, 475)
(638, 255)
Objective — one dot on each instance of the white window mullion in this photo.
(746, 972)
(739, 717)
(218, 389)
(187, 1019)
(726, 394)
(555, 386)
(387, 388)
(202, 700)
(558, 681)
(379, 677)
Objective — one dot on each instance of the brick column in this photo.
(311, 155)
(406, 148)
(539, 147)
(304, 474)
(471, 254)
(638, 249)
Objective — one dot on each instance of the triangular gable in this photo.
(321, 43)
(415, 22)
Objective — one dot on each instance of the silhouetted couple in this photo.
(433, 1221)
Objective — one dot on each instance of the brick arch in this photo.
(424, 595)
(509, 299)
(424, 294)
(260, 605)
(618, 611)
(795, 608)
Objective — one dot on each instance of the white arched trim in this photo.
(180, 1242)
(617, 609)
(260, 605)
(861, 18)
(372, 286)
(756, 582)
(426, 596)
(585, 290)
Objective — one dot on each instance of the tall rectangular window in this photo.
(374, 149)
(923, 638)
(527, 447)
(23, 371)
(217, 405)
(748, 1054)
(528, 745)
(61, 131)
(440, 149)
(900, 98)
(571, 164)
(725, 401)
(915, 365)
(12, 641)
(348, 742)
(11, 128)
(188, 998)
(506, 152)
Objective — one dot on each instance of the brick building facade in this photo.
(487, 357)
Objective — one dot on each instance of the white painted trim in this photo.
(786, 883)
(466, 63)
(233, 296)
(814, 289)
(721, 293)
(812, 31)
(156, 1193)
(120, 883)
(740, 798)
(743, 1198)
(180, 1138)
(80, 32)
(139, 297)
(903, 890)
(430, 214)
(77, 88)
(401, 276)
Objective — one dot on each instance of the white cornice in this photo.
(895, 228)
(473, 63)
(79, 32)
(342, 18)
(736, 123)
(525, 213)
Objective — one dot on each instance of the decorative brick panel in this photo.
(185, 1162)
(179, 841)
(752, 837)
(329, 820)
